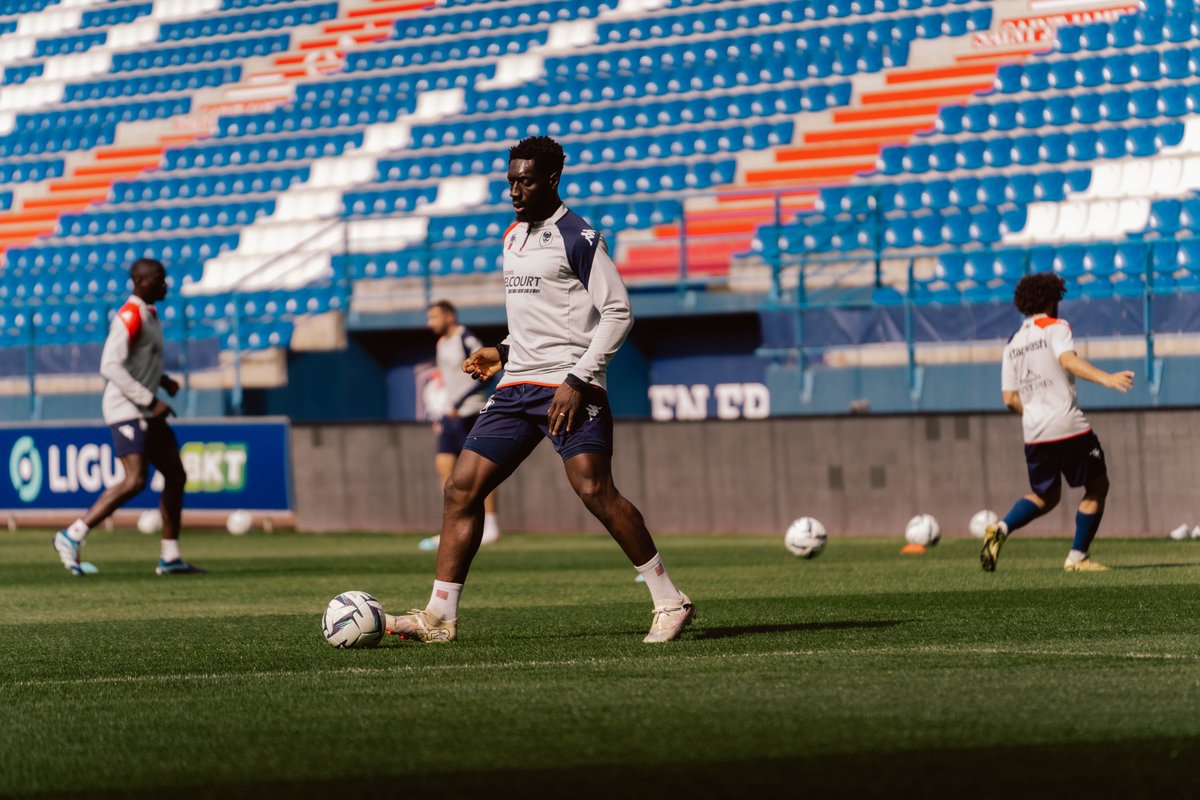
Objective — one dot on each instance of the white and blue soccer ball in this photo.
(981, 521)
(239, 522)
(923, 530)
(353, 619)
(805, 537)
(150, 521)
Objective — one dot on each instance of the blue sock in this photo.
(1086, 526)
(1023, 512)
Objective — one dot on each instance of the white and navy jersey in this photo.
(568, 310)
(132, 362)
(1032, 369)
(464, 394)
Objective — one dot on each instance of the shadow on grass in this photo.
(1173, 565)
(794, 627)
(1146, 768)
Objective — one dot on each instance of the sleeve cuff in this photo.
(576, 383)
(503, 350)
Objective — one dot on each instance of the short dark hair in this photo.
(143, 266)
(1039, 293)
(541, 150)
(444, 305)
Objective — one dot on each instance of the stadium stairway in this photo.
(831, 147)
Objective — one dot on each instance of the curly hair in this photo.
(541, 150)
(1039, 293)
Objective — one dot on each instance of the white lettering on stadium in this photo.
(733, 400)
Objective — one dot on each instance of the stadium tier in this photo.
(290, 159)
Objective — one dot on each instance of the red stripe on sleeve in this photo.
(131, 315)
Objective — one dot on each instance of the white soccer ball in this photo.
(353, 619)
(980, 522)
(1180, 533)
(239, 522)
(150, 521)
(805, 538)
(924, 530)
(1196, 532)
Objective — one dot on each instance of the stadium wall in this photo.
(859, 475)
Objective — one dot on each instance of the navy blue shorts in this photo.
(453, 435)
(514, 421)
(152, 438)
(1080, 459)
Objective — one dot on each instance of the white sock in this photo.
(658, 582)
(1075, 556)
(443, 602)
(170, 549)
(491, 528)
(78, 531)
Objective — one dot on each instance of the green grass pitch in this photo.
(860, 673)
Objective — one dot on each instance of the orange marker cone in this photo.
(912, 550)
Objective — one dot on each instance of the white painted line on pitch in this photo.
(594, 662)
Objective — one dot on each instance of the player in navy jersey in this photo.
(568, 314)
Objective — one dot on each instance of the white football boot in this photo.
(670, 619)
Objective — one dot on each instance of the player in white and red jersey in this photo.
(1038, 382)
(132, 365)
(568, 314)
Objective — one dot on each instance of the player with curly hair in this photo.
(1038, 382)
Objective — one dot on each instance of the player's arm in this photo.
(112, 368)
(1081, 368)
(169, 384)
(486, 362)
(1013, 401)
(1009, 385)
(610, 297)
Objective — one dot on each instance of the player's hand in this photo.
(1121, 381)
(160, 409)
(563, 408)
(170, 385)
(483, 364)
(437, 429)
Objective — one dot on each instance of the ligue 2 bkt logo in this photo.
(25, 469)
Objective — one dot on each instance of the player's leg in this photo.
(500, 440)
(163, 450)
(443, 464)
(1087, 468)
(473, 478)
(590, 474)
(1045, 481)
(68, 541)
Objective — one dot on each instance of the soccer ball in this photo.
(353, 619)
(1180, 533)
(150, 521)
(923, 530)
(239, 522)
(805, 538)
(981, 521)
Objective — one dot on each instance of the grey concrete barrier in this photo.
(859, 475)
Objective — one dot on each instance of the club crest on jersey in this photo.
(512, 239)
(547, 236)
(588, 234)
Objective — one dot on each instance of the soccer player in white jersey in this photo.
(464, 399)
(1038, 382)
(568, 314)
(132, 363)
